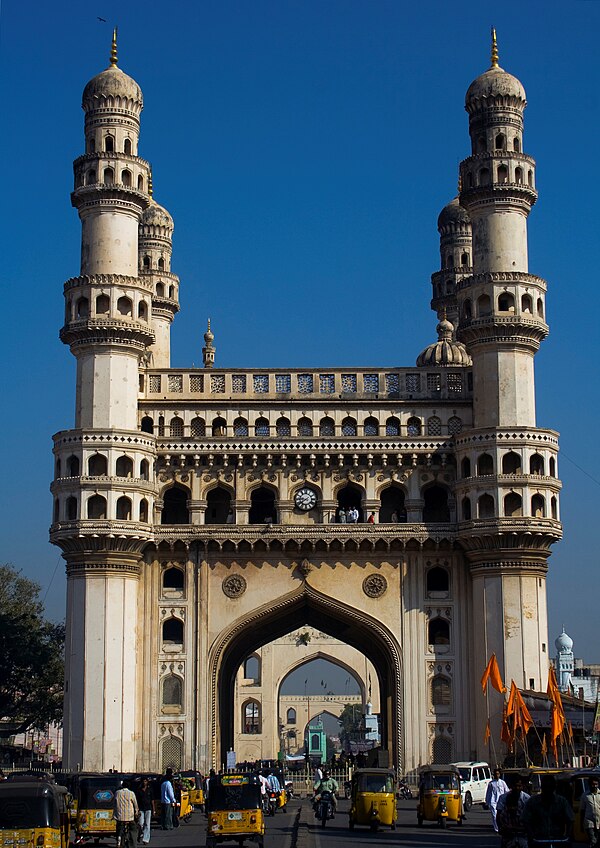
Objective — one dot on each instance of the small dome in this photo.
(564, 643)
(493, 83)
(209, 336)
(453, 213)
(157, 216)
(112, 82)
(446, 352)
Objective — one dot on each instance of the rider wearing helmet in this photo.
(326, 784)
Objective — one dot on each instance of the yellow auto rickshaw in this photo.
(373, 800)
(95, 804)
(195, 788)
(439, 795)
(234, 810)
(33, 814)
(573, 785)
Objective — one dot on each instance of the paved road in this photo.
(475, 833)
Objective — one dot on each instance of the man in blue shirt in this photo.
(273, 781)
(167, 800)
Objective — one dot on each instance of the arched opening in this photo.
(513, 505)
(517, 144)
(484, 306)
(511, 463)
(175, 509)
(160, 289)
(466, 508)
(438, 632)
(146, 267)
(240, 428)
(434, 426)
(290, 716)
(143, 511)
(502, 174)
(161, 264)
(392, 426)
(438, 582)
(480, 147)
(261, 428)
(172, 633)
(440, 691)
(392, 509)
(371, 426)
(527, 304)
(485, 465)
(486, 507)
(467, 310)
(538, 506)
(144, 470)
(123, 509)
(72, 512)
(536, 464)
(251, 718)
(441, 750)
(540, 308)
(127, 146)
(464, 259)
(306, 606)
(506, 302)
(218, 506)
(219, 427)
(140, 182)
(125, 306)
(530, 178)
(171, 753)
(126, 178)
(484, 176)
(147, 425)
(109, 143)
(252, 669)
(172, 693)
(465, 467)
(143, 310)
(552, 464)
(91, 145)
(519, 176)
(349, 498)
(102, 304)
(96, 507)
(413, 426)
(91, 177)
(124, 467)
(173, 581)
(72, 466)
(327, 427)
(97, 465)
(176, 427)
(554, 507)
(198, 428)
(500, 142)
(108, 177)
(161, 425)
(435, 504)
(283, 427)
(82, 309)
(454, 425)
(262, 506)
(349, 427)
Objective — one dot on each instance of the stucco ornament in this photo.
(234, 586)
(375, 585)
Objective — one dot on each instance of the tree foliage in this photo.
(31, 655)
(350, 722)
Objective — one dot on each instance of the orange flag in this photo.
(557, 722)
(544, 746)
(505, 732)
(487, 734)
(570, 731)
(492, 673)
(522, 715)
(510, 707)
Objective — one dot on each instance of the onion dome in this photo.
(453, 213)
(209, 336)
(564, 643)
(112, 83)
(494, 83)
(156, 216)
(446, 352)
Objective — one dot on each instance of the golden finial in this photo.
(113, 49)
(494, 49)
(150, 185)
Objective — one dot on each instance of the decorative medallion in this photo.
(375, 585)
(305, 568)
(234, 586)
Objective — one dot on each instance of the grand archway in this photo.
(306, 606)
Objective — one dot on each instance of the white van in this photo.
(474, 779)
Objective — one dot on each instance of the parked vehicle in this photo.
(474, 779)
(439, 795)
(196, 788)
(33, 814)
(96, 797)
(373, 799)
(234, 810)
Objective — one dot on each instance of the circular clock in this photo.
(305, 498)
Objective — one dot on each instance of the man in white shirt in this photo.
(590, 812)
(496, 788)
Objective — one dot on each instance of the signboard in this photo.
(103, 795)
(234, 779)
(231, 759)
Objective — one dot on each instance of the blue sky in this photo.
(304, 150)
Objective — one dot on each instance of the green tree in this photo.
(350, 721)
(31, 656)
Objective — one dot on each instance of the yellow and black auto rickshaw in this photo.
(234, 810)
(95, 805)
(33, 814)
(573, 785)
(373, 800)
(195, 788)
(439, 795)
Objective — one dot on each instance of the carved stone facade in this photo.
(206, 513)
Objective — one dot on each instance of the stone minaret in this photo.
(102, 488)
(454, 227)
(155, 249)
(507, 491)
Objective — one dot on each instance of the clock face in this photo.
(305, 498)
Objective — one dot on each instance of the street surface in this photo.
(476, 832)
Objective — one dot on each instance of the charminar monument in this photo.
(205, 514)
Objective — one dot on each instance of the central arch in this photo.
(303, 606)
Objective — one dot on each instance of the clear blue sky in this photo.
(305, 150)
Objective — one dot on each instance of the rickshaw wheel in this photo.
(420, 821)
(351, 824)
(460, 820)
(393, 826)
(443, 822)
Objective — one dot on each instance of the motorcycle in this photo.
(289, 789)
(325, 807)
(272, 802)
(404, 791)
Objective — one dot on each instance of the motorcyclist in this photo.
(326, 784)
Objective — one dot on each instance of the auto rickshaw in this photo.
(573, 785)
(282, 797)
(439, 795)
(96, 798)
(182, 796)
(234, 810)
(33, 814)
(196, 788)
(373, 800)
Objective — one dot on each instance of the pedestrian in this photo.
(145, 797)
(509, 816)
(167, 800)
(126, 813)
(547, 815)
(230, 517)
(496, 788)
(371, 518)
(355, 515)
(317, 775)
(394, 517)
(349, 515)
(342, 516)
(590, 812)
